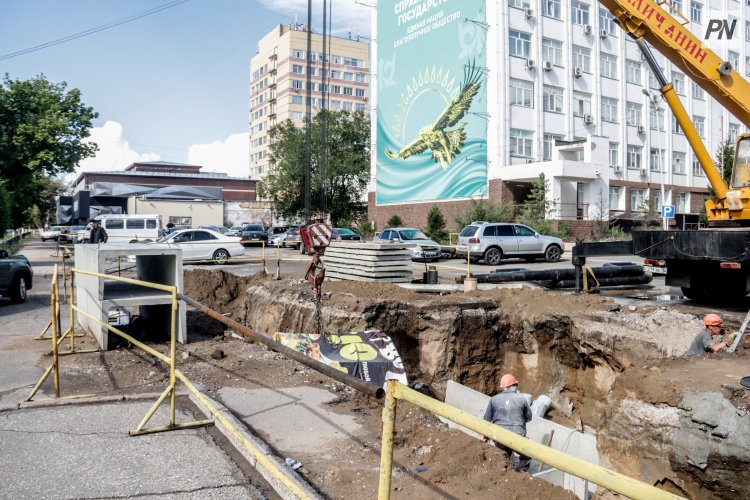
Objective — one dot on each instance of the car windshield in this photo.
(343, 230)
(253, 228)
(220, 229)
(412, 234)
(55, 228)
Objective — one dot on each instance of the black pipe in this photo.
(554, 274)
(615, 281)
(354, 382)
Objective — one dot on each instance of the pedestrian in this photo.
(98, 234)
(170, 227)
(510, 410)
(706, 340)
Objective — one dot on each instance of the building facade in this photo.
(279, 79)
(568, 95)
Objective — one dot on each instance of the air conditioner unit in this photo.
(547, 65)
(530, 64)
(641, 129)
(577, 72)
(618, 169)
(587, 29)
(603, 34)
(588, 119)
(644, 171)
(529, 13)
(529, 160)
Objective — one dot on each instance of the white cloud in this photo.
(230, 156)
(346, 15)
(114, 151)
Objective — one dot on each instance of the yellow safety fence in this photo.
(261, 458)
(606, 478)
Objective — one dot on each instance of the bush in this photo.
(394, 221)
(436, 225)
(365, 229)
(485, 210)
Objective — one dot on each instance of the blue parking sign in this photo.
(667, 211)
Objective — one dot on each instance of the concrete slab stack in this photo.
(368, 262)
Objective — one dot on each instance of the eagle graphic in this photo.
(445, 144)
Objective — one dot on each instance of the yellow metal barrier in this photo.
(606, 478)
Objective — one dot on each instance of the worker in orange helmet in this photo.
(510, 410)
(707, 341)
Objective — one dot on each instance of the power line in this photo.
(91, 31)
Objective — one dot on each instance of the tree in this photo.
(348, 167)
(4, 210)
(725, 159)
(42, 127)
(394, 221)
(436, 225)
(485, 210)
(535, 209)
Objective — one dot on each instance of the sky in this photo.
(172, 85)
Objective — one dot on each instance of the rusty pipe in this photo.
(354, 382)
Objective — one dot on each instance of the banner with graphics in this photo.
(369, 355)
(431, 100)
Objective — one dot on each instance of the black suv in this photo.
(253, 233)
(15, 277)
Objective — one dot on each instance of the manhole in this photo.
(745, 381)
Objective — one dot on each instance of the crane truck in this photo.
(711, 264)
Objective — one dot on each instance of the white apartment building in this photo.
(562, 70)
(279, 77)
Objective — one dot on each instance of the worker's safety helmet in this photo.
(507, 381)
(712, 320)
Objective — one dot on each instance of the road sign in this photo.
(667, 211)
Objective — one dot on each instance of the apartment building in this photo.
(567, 94)
(278, 82)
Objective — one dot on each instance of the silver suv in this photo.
(493, 241)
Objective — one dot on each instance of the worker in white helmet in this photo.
(510, 410)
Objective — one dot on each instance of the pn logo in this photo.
(721, 26)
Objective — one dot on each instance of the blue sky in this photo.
(173, 85)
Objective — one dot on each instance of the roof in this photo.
(163, 164)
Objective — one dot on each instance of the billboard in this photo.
(431, 100)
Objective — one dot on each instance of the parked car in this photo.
(253, 233)
(423, 247)
(291, 238)
(176, 227)
(16, 276)
(69, 234)
(274, 232)
(219, 229)
(83, 235)
(205, 244)
(492, 242)
(53, 233)
(344, 234)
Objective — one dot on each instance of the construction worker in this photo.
(510, 410)
(706, 340)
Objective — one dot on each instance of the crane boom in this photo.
(647, 19)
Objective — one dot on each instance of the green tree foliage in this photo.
(394, 221)
(535, 209)
(725, 159)
(485, 210)
(436, 225)
(348, 167)
(4, 210)
(42, 127)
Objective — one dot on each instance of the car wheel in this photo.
(18, 291)
(552, 254)
(493, 256)
(221, 256)
(44, 239)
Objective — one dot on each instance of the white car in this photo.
(204, 244)
(52, 233)
(83, 235)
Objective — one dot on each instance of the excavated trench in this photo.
(676, 422)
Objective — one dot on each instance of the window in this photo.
(734, 59)
(698, 92)
(677, 4)
(521, 93)
(298, 54)
(297, 69)
(610, 110)
(607, 21)
(336, 75)
(656, 199)
(633, 157)
(180, 221)
(358, 106)
(548, 145)
(747, 66)
(614, 154)
(552, 99)
(614, 197)
(348, 91)
(678, 81)
(348, 106)
(348, 76)
(359, 92)
(582, 58)
(296, 99)
(633, 114)
(297, 84)
(150, 223)
(696, 12)
(697, 169)
(656, 117)
(676, 129)
(552, 51)
(297, 116)
(653, 83)
(608, 64)
(521, 142)
(633, 71)
(678, 162)
(656, 159)
(581, 104)
(335, 104)
(579, 12)
(523, 230)
(734, 131)
(135, 223)
(357, 63)
(747, 31)
(699, 123)
(115, 224)
(519, 44)
(637, 198)
(360, 78)
(680, 203)
(552, 8)
(520, 4)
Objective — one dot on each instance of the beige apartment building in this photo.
(279, 76)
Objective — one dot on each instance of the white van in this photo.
(126, 228)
